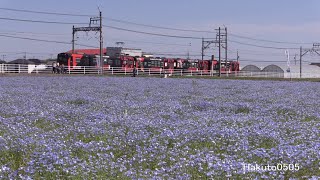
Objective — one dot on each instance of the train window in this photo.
(78, 60)
(118, 63)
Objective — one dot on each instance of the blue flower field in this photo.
(82, 127)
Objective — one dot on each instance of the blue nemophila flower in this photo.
(103, 128)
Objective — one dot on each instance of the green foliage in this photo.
(78, 102)
(242, 110)
(45, 125)
(262, 142)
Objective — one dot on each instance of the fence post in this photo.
(84, 70)
(149, 71)
(181, 72)
(191, 72)
(201, 72)
(125, 70)
(112, 70)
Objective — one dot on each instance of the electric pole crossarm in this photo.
(305, 53)
(317, 52)
(87, 29)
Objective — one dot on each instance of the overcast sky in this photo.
(275, 20)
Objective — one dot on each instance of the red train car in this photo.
(230, 67)
(69, 59)
(168, 65)
(154, 64)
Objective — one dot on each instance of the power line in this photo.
(159, 27)
(154, 34)
(262, 54)
(11, 32)
(267, 47)
(270, 41)
(110, 19)
(42, 40)
(113, 27)
(39, 21)
(49, 13)
(150, 42)
(140, 24)
(261, 61)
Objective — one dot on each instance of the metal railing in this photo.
(48, 69)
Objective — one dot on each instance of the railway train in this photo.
(141, 63)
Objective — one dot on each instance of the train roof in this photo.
(88, 51)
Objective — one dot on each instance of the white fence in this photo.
(47, 69)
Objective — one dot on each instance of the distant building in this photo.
(147, 55)
(250, 68)
(273, 71)
(21, 61)
(37, 61)
(118, 51)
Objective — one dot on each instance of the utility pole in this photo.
(101, 44)
(73, 32)
(315, 49)
(238, 56)
(219, 51)
(92, 27)
(301, 61)
(226, 42)
(222, 43)
(202, 49)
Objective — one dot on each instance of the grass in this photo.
(45, 125)
(77, 102)
(242, 110)
(262, 142)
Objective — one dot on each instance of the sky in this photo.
(294, 21)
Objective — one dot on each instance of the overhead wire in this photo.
(260, 46)
(270, 41)
(146, 42)
(42, 40)
(149, 33)
(31, 33)
(146, 25)
(42, 12)
(143, 32)
(38, 21)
